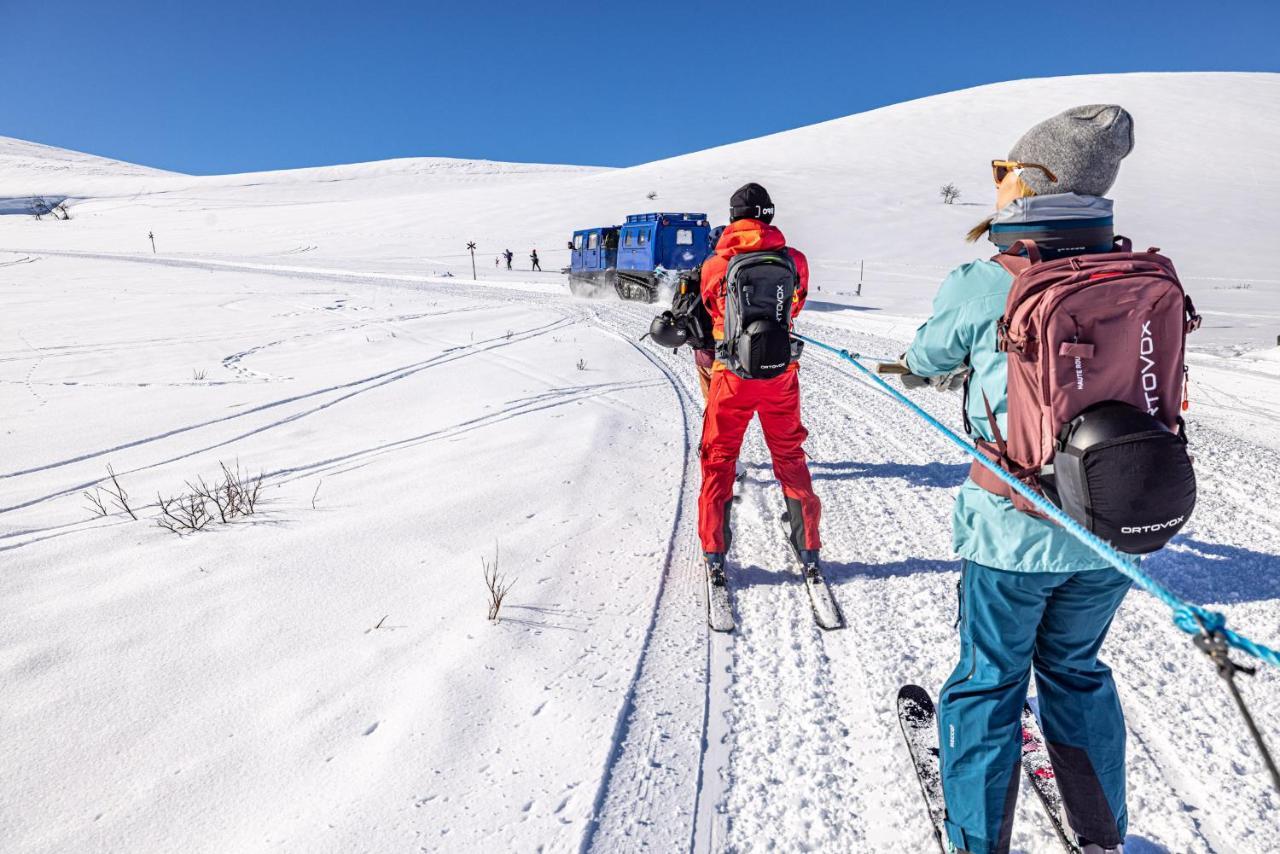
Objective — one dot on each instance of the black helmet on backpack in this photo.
(1124, 476)
(668, 331)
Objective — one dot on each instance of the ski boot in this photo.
(810, 564)
(715, 569)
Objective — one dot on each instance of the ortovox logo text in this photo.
(1150, 382)
(782, 298)
(1150, 529)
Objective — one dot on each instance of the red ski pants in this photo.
(731, 404)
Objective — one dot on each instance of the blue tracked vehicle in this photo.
(636, 257)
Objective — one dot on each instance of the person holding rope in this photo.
(1031, 595)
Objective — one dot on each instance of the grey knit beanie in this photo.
(1083, 146)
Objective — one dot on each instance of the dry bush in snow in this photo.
(184, 514)
(233, 495)
(113, 491)
(497, 584)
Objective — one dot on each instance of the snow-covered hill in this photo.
(321, 676)
(854, 190)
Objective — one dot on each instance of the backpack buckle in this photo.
(1002, 335)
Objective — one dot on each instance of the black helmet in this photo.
(1124, 475)
(1105, 421)
(668, 332)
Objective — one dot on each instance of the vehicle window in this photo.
(593, 240)
(629, 239)
(577, 241)
(644, 237)
(684, 237)
(611, 240)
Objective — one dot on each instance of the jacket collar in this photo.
(749, 235)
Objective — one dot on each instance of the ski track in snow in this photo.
(783, 737)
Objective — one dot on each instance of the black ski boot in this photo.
(715, 569)
(719, 607)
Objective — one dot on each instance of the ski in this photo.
(1039, 772)
(825, 611)
(719, 605)
(918, 718)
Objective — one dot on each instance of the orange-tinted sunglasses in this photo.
(1001, 168)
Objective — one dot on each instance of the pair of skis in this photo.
(918, 718)
(720, 604)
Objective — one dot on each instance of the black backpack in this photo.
(759, 288)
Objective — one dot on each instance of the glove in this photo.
(910, 381)
(943, 382)
(950, 381)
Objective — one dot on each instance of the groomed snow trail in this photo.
(783, 737)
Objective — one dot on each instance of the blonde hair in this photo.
(980, 230)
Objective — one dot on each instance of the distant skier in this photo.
(497, 259)
(533, 257)
(733, 400)
(509, 255)
(1031, 595)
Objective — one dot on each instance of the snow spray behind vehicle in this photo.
(1095, 348)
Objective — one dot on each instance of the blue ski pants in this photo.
(1010, 624)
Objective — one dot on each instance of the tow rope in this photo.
(1208, 628)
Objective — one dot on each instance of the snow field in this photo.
(321, 678)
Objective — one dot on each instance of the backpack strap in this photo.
(1193, 316)
(1018, 257)
(997, 452)
(1124, 244)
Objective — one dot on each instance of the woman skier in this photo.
(1030, 595)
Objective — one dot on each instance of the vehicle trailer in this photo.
(593, 261)
(639, 256)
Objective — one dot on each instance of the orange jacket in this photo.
(746, 235)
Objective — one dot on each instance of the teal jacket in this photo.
(986, 528)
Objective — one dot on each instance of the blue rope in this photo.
(1190, 618)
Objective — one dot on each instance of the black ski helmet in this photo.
(668, 332)
(1105, 421)
(1124, 475)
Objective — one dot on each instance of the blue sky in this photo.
(231, 85)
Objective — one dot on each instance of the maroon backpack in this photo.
(1095, 348)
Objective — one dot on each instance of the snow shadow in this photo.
(819, 305)
(1214, 573)
(940, 475)
(751, 575)
(837, 572)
